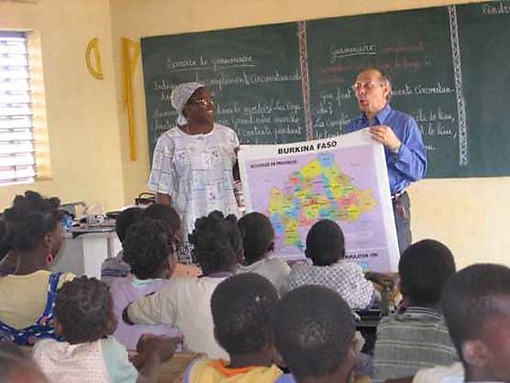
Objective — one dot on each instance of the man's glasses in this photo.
(367, 85)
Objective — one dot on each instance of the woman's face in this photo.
(200, 107)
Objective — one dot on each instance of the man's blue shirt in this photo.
(410, 163)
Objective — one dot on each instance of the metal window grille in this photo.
(17, 144)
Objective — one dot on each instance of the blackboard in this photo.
(253, 73)
(290, 82)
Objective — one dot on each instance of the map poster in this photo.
(340, 178)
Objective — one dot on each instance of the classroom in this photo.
(87, 121)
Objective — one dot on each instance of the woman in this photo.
(193, 162)
(26, 296)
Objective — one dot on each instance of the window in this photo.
(21, 124)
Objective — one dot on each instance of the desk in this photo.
(84, 254)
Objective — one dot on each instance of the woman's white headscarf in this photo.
(180, 96)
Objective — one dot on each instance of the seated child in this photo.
(314, 333)
(185, 302)
(185, 263)
(241, 308)
(476, 307)
(116, 267)
(149, 252)
(17, 366)
(325, 246)
(258, 244)
(84, 317)
(27, 295)
(417, 337)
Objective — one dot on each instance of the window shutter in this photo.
(17, 149)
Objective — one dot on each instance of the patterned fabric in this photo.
(102, 361)
(126, 290)
(196, 172)
(215, 371)
(410, 341)
(184, 252)
(344, 277)
(441, 374)
(410, 163)
(41, 328)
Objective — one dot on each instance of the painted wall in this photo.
(81, 113)
(466, 214)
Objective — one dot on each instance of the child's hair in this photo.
(5, 242)
(217, 242)
(30, 218)
(241, 307)
(325, 243)
(83, 309)
(17, 366)
(258, 236)
(147, 246)
(125, 219)
(165, 213)
(313, 329)
(471, 299)
(424, 268)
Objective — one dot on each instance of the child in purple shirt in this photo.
(149, 251)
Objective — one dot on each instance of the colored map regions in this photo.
(319, 190)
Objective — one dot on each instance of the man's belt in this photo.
(396, 196)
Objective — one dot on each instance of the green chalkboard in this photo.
(253, 73)
(290, 82)
(413, 47)
(485, 53)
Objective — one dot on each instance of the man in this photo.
(406, 157)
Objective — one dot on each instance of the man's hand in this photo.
(386, 136)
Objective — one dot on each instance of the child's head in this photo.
(84, 310)
(242, 306)
(17, 366)
(34, 223)
(258, 237)
(424, 268)
(314, 333)
(217, 243)
(476, 307)
(125, 219)
(167, 214)
(149, 249)
(325, 243)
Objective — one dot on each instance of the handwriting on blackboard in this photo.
(498, 8)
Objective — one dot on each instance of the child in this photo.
(17, 367)
(185, 262)
(149, 252)
(185, 302)
(84, 317)
(241, 308)
(258, 243)
(27, 295)
(417, 337)
(326, 248)
(476, 307)
(314, 333)
(116, 267)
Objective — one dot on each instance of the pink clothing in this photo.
(63, 362)
(125, 291)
